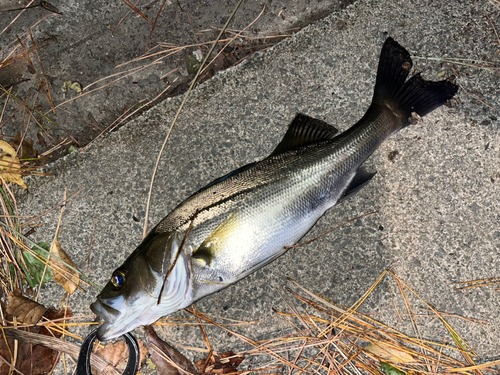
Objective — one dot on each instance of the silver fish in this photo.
(246, 219)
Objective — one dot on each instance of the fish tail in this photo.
(413, 96)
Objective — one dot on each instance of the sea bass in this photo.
(246, 219)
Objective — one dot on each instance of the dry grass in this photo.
(25, 49)
(325, 337)
(328, 338)
(462, 285)
(13, 243)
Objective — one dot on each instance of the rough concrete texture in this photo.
(437, 199)
(89, 41)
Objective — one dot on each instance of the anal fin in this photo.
(360, 180)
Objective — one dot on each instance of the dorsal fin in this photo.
(303, 131)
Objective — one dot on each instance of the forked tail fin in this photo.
(415, 95)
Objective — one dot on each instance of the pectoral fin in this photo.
(203, 254)
(215, 243)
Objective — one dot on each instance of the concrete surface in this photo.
(87, 42)
(437, 200)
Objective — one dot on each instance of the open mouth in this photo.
(115, 322)
(104, 311)
(112, 329)
(109, 316)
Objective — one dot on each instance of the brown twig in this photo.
(53, 208)
(477, 283)
(176, 257)
(154, 23)
(49, 97)
(135, 9)
(132, 71)
(125, 116)
(63, 346)
(191, 86)
(475, 97)
(233, 39)
(15, 18)
(125, 16)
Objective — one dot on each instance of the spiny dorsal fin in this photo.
(303, 131)
(360, 180)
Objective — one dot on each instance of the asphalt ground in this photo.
(96, 45)
(436, 192)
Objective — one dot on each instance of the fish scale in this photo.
(246, 219)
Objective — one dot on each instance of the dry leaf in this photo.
(25, 310)
(388, 353)
(61, 273)
(222, 363)
(32, 359)
(10, 167)
(117, 355)
(160, 351)
(27, 151)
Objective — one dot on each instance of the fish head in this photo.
(132, 296)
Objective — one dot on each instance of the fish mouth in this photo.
(114, 327)
(104, 311)
(108, 330)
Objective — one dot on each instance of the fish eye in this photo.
(118, 278)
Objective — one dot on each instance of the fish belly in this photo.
(262, 228)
